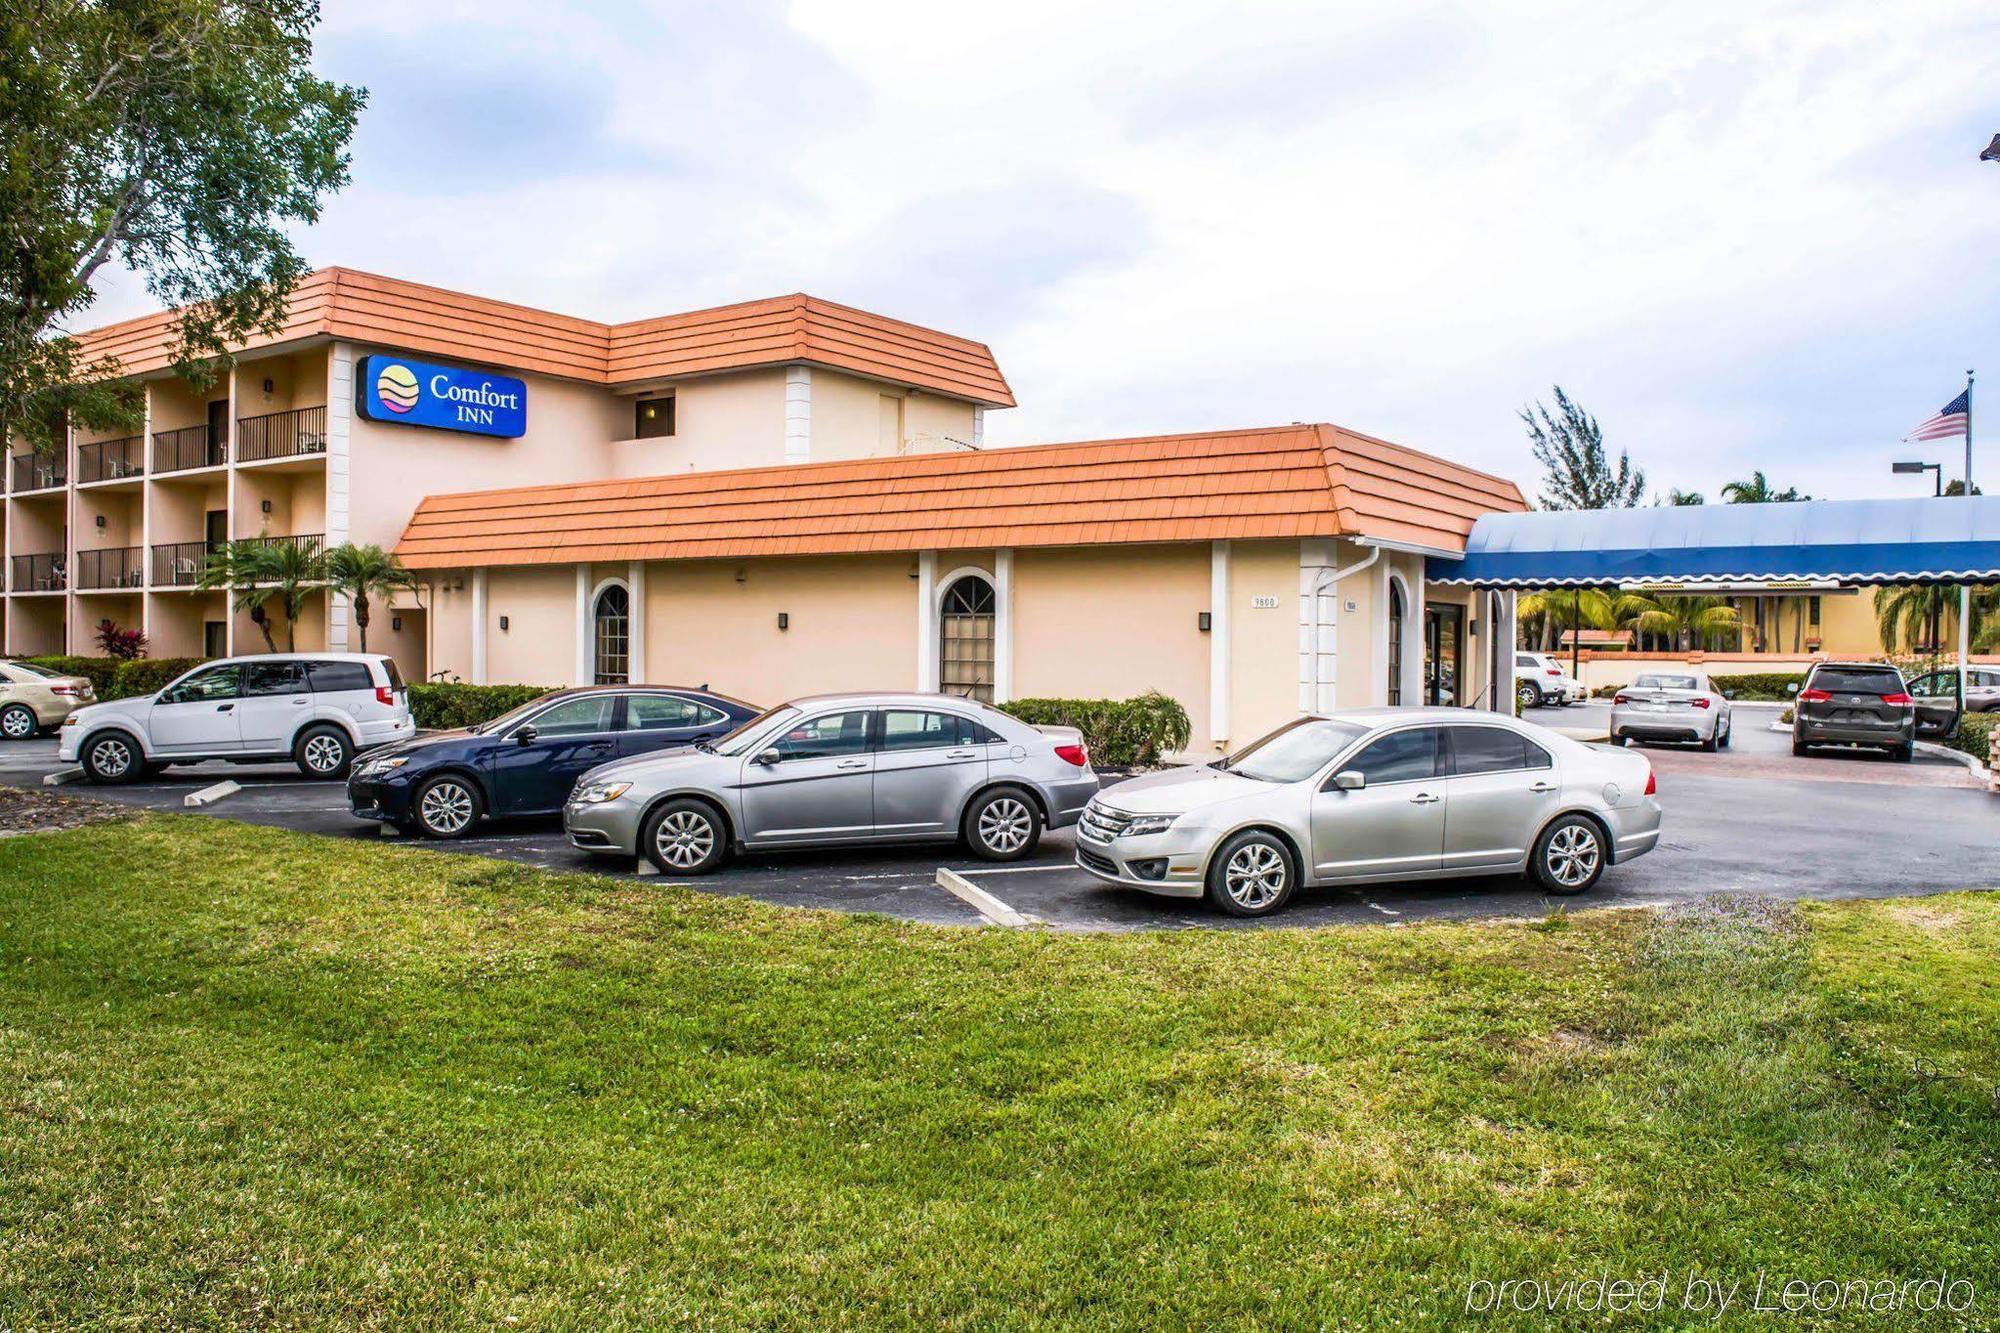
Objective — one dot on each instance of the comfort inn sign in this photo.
(402, 392)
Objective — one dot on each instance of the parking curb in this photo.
(210, 795)
(991, 909)
(58, 779)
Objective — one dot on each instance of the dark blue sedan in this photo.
(524, 763)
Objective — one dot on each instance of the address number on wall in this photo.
(1264, 603)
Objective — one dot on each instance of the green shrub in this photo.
(97, 670)
(1759, 685)
(1975, 734)
(443, 707)
(1119, 732)
(143, 675)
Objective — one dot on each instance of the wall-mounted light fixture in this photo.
(268, 386)
(100, 520)
(1206, 620)
(267, 506)
(396, 624)
(503, 624)
(742, 576)
(784, 620)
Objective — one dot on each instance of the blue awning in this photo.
(1950, 540)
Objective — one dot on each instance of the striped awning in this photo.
(1950, 540)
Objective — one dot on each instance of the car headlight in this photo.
(375, 766)
(72, 721)
(1145, 824)
(597, 793)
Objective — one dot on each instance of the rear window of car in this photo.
(1666, 683)
(395, 676)
(336, 677)
(1857, 680)
(34, 670)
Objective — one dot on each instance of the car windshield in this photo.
(1295, 751)
(1667, 683)
(753, 731)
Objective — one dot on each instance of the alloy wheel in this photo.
(446, 808)
(684, 839)
(1572, 855)
(17, 724)
(324, 754)
(1254, 876)
(111, 757)
(1004, 825)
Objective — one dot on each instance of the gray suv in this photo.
(840, 768)
(1855, 703)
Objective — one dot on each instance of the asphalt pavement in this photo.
(1749, 819)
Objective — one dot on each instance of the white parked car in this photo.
(1671, 706)
(316, 709)
(1540, 681)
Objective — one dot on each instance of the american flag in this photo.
(1947, 423)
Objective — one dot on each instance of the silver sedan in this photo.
(1671, 706)
(850, 768)
(1375, 794)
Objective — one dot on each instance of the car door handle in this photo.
(1543, 786)
(1425, 798)
(961, 754)
(300, 701)
(852, 763)
(223, 708)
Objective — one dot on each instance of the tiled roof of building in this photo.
(409, 316)
(1290, 481)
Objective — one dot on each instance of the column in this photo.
(1003, 625)
(798, 414)
(927, 621)
(479, 627)
(635, 650)
(583, 674)
(339, 412)
(1218, 643)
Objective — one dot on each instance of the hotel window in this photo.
(965, 639)
(653, 418)
(612, 622)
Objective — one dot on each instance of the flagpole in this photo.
(1965, 589)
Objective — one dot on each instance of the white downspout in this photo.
(1322, 582)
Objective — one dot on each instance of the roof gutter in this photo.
(1408, 548)
(1325, 579)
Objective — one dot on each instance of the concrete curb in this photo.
(58, 779)
(210, 795)
(1946, 752)
(991, 909)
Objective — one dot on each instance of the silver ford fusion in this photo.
(1375, 794)
(1671, 706)
(848, 768)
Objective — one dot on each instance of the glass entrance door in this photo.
(1444, 654)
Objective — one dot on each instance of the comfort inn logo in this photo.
(396, 387)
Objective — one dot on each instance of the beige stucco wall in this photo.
(722, 421)
(123, 518)
(298, 379)
(1264, 641)
(538, 647)
(849, 418)
(448, 625)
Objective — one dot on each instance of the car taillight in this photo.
(70, 690)
(1898, 699)
(385, 694)
(1555, 671)
(1074, 754)
(1620, 699)
(1814, 697)
(1699, 703)
(1652, 782)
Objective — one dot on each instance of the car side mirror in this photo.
(1729, 694)
(1792, 688)
(1349, 779)
(525, 734)
(767, 757)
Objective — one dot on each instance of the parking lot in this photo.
(1749, 819)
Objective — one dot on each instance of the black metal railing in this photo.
(301, 431)
(109, 460)
(37, 472)
(188, 447)
(305, 541)
(110, 567)
(179, 564)
(39, 573)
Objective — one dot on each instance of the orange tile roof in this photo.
(1289, 481)
(409, 316)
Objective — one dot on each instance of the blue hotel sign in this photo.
(403, 392)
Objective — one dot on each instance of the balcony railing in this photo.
(39, 573)
(179, 564)
(308, 542)
(188, 447)
(110, 567)
(37, 472)
(293, 434)
(110, 460)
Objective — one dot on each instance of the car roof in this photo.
(1385, 713)
(1859, 666)
(301, 657)
(880, 698)
(569, 691)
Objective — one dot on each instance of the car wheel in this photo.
(1798, 748)
(1253, 874)
(1002, 826)
(684, 837)
(112, 757)
(1722, 741)
(446, 807)
(18, 722)
(1905, 752)
(323, 752)
(1711, 743)
(1569, 856)
(1526, 695)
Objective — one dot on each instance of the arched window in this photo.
(611, 621)
(965, 638)
(1395, 642)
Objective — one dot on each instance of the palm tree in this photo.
(1910, 614)
(1757, 491)
(257, 570)
(235, 568)
(1687, 621)
(364, 572)
(1567, 609)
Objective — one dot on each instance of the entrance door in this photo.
(1444, 655)
(215, 530)
(218, 432)
(214, 638)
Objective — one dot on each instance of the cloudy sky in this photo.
(1742, 241)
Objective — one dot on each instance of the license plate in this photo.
(1657, 708)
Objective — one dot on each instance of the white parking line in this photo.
(991, 909)
(1019, 870)
(1385, 911)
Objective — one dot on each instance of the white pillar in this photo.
(798, 414)
(479, 627)
(1003, 625)
(1503, 639)
(339, 411)
(1218, 643)
(1378, 676)
(1319, 625)
(927, 622)
(1413, 640)
(583, 674)
(635, 651)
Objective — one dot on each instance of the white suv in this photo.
(316, 709)
(1540, 682)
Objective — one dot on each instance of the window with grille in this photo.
(1395, 644)
(613, 621)
(965, 633)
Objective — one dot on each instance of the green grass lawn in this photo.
(255, 1077)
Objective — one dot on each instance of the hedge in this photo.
(444, 707)
(1759, 685)
(97, 670)
(147, 674)
(1975, 734)
(1119, 732)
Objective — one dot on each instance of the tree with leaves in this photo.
(1758, 490)
(178, 138)
(1687, 622)
(1913, 615)
(365, 573)
(257, 571)
(1555, 610)
(1576, 473)
(1681, 498)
